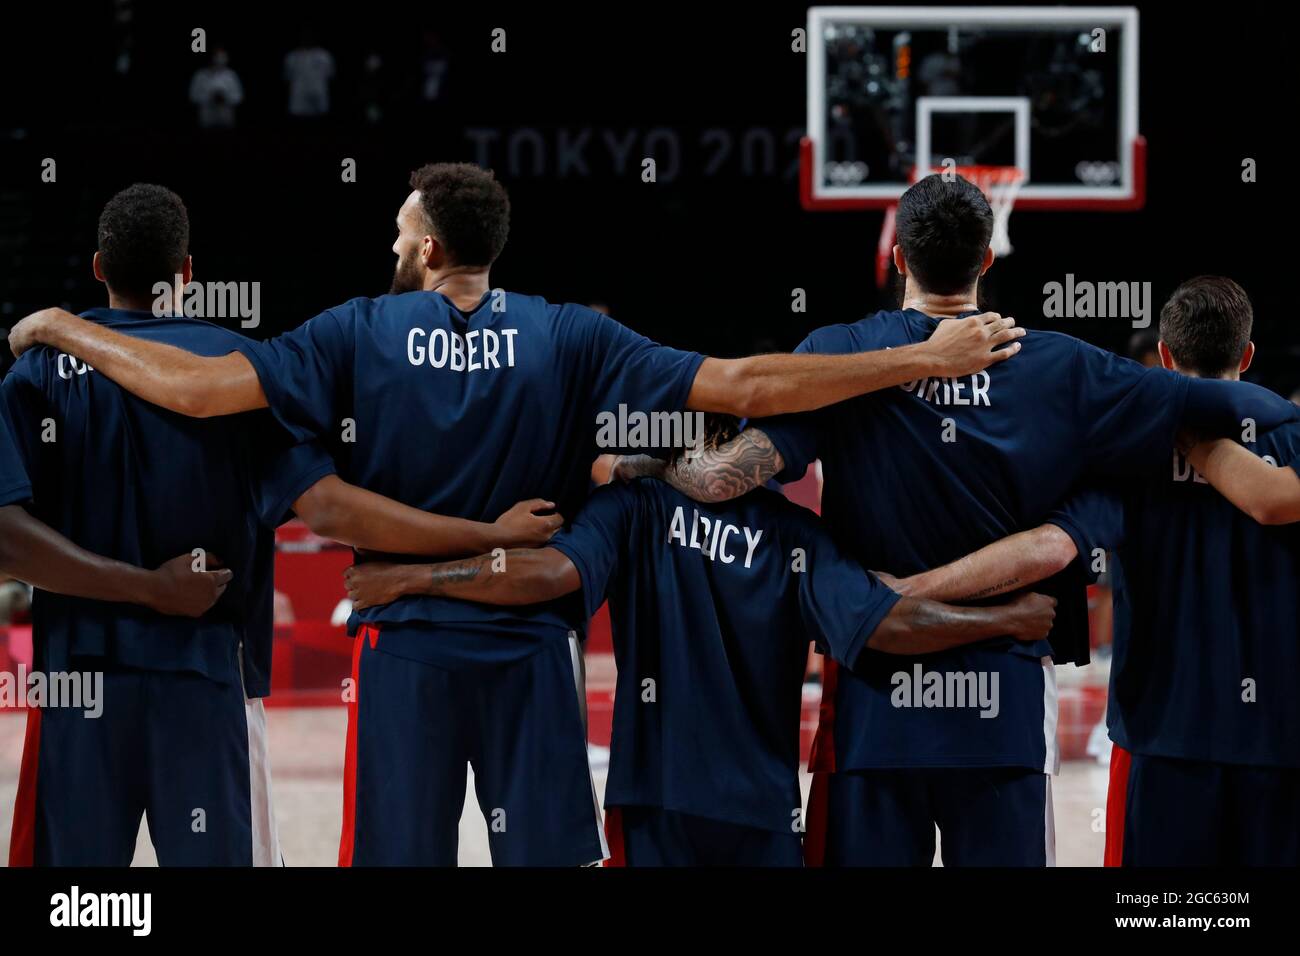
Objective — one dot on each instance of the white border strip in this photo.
(927, 106)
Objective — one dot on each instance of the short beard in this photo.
(407, 277)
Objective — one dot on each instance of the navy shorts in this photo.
(414, 727)
(651, 836)
(986, 816)
(185, 752)
(1171, 812)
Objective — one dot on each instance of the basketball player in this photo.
(461, 397)
(126, 479)
(1205, 681)
(712, 608)
(918, 475)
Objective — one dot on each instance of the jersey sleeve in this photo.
(303, 371)
(840, 602)
(1222, 409)
(623, 367)
(282, 469)
(594, 542)
(1093, 517)
(1128, 415)
(21, 414)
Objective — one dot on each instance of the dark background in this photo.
(705, 258)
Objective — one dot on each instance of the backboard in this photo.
(896, 91)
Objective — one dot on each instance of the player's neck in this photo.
(938, 306)
(130, 303)
(464, 285)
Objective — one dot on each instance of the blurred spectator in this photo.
(371, 88)
(308, 71)
(433, 68)
(1295, 397)
(1142, 348)
(216, 91)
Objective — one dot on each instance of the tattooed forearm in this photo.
(452, 574)
(728, 471)
(1010, 584)
(518, 576)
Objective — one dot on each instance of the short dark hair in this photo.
(1206, 324)
(466, 209)
(718, 430)
(944, 227)
(144, 237)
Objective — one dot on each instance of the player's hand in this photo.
(1030, 616)
(523, 527)
(965, 346)
(180, 591)
(34, 330)
(373, 584)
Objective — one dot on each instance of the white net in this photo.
(1000, 184)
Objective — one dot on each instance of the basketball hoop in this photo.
(999, 184)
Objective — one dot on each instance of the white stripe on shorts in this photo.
(580, 682)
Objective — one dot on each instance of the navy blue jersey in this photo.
(15, 487)
(465, 414)
(712, 608)
(917, 476)
(131, 481)
(1207, 645)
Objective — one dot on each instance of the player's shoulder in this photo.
(884, 329)
(32, 366)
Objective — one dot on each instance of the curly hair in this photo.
(466, 209)
(144, 237)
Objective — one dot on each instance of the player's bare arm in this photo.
(515, 577)
(354, 516)
(920, 626)
(32, 552)
(1014, 562)
(1268, 494)
(763, 385)
(203, 387)
(193, 385)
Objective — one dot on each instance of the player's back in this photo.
(963, 462)
(466, 413)
(134, 482)
(712, 609)
(922, 474)
(1207, 661)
